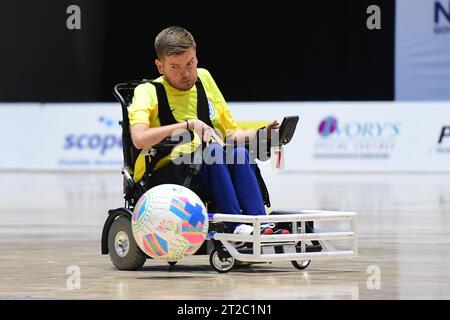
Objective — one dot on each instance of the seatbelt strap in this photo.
(202, 104)
(165, 113)
(166, 116)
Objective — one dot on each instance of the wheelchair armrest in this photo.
(185, 137)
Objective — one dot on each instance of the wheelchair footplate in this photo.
(303, 244)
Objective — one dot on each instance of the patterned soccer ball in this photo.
(169, 222)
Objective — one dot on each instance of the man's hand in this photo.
(241, 135)
(272, 126)
(204, 131)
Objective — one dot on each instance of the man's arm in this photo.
(240, 135)
(144, 137)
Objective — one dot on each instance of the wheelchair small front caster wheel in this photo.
(223, 264)
(301, 264)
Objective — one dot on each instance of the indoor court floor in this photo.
(51, 223)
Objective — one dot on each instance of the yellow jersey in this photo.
(144, 109)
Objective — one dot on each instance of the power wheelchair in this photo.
(303, 244)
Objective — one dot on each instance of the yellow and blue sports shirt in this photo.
(144, 109)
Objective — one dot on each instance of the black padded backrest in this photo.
(124, 92)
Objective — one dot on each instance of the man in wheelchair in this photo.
(185, 99)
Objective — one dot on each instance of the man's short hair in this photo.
(173, 41)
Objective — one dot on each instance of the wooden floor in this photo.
(52, 221)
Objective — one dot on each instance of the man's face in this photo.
(179, 70)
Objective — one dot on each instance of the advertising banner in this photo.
(422, 50)
(330, 136)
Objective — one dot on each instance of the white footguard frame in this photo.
(288, 241)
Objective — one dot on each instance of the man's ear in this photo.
(159, 66)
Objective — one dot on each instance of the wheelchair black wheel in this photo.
(301, 264)
(123, 249)
(221, 265)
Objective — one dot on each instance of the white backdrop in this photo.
(369, 136)
(331, 136)
(61, 136)
(422, 50)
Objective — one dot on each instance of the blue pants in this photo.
(233, 187)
